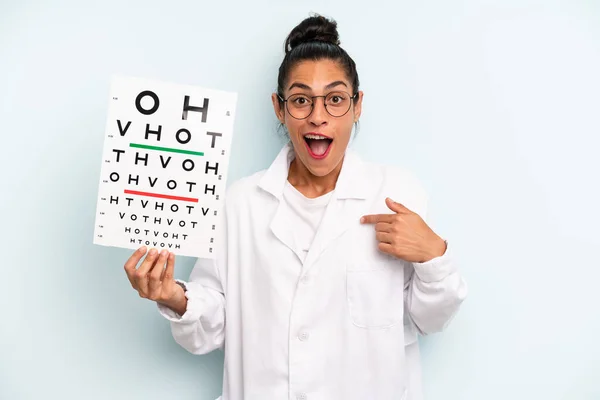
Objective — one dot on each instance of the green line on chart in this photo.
(143, 146)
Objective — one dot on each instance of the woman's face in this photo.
(318, 78)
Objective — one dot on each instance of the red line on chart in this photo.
(161, 196)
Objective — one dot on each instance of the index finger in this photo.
(132, 262)
(375, 218)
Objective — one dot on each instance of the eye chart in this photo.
(164, 166)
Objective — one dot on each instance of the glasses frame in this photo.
(312, 107)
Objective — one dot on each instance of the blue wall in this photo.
(494, 104)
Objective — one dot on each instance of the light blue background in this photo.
(494, 104)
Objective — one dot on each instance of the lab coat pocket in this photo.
(375, 296)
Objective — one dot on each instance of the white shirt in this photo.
(346, 326)
(304, 216)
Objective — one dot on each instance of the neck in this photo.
(311, 185)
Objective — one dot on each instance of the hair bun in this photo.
(313, 29)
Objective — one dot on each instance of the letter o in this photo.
(188, 161)
(138, 102)
(189, 136)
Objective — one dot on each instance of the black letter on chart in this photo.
(189, 136)
(121, 130)
(162, 161)
(138, 102)
(212, 189)
(189, 162)
(144, 159)
(132, 179)
(191, 185)
(119, 152)
(157, 133)
(215, 168)
(187, 107)
(214, 137)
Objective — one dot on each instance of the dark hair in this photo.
(316, 38)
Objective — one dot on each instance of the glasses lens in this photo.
(337, 103)
(299, 105)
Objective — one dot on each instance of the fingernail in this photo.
(152, 252)
(142, 249)
(362, 220)
(164, 253)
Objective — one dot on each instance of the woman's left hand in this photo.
(405, 235)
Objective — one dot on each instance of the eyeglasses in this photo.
(300, 106)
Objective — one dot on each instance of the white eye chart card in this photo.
(164, 166)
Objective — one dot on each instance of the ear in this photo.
(278, 107)
(358, 105)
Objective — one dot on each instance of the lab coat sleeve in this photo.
(201, 329)
(434, 292)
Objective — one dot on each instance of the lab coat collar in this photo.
(341, 213)
(353, 182)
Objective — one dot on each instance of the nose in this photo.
(319, 114)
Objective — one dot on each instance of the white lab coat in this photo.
(344, 324)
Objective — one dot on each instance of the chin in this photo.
(320, 171)
(322, 167)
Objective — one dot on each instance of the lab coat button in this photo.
(301, 396)
(303, 336)
(304, 279)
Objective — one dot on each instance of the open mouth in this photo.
(318, 145)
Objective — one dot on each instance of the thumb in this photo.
(395, 207)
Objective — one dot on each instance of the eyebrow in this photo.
(303, 86)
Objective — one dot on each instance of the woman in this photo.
(321, 282)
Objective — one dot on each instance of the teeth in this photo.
(316, 137)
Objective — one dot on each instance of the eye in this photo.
(300, 100)
(336, 98)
